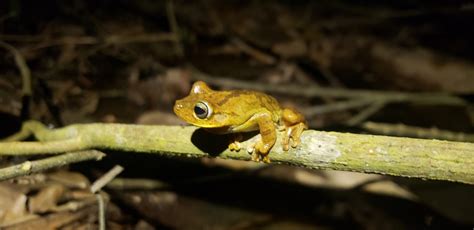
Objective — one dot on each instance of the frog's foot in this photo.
(258, 157)
(260, 152)
(294, 133)
(255, 157)
(235, 143)
(235, 146)
(294, 125)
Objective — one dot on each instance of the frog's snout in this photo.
(177, 107)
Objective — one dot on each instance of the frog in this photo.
(240, 111)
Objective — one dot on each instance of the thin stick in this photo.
(22, 67)
(89, 40)
(101, 211)
(413, 131)
(255, 53)
(336, 106)
(366, 113)
(106, 178)
(133, 184)
(29, 167)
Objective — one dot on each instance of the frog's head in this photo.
(199, 107)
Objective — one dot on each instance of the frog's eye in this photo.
(202, 110)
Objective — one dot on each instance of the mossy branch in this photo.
(409, 157)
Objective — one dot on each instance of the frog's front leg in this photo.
(268, 137)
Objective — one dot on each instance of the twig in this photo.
(256, 54)
(409, 157)
(98, 185)
(101, 211)
(22, 67)
(174, 27)
(106, 178)
(316, 91)
(143, 184)
(50, 147)
(75, 205)
(90, 40)
(336, 106)
(19, 136)
(419, 132)
(30, 167)
(366, 113)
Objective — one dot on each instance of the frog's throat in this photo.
(219, 130)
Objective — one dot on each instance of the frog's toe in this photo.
(258, 157)
(262, 148)
(285, 143)
(255, 157)
(235, 146)
(295, 143)
(266, 158)
(295, 134)
(253, 153)
(250, 149)
(260, 151)
(263, 154)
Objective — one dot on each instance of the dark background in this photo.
(128, 61)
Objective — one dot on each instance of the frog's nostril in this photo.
(178, 106)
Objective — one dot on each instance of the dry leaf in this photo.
(46, 199)
(12, 203)
(70, 179)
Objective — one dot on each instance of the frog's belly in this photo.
(232, 129)
(251, 124)
(220, 130)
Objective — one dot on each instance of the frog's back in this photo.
(245, 102)
(257, 99)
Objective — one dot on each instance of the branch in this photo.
(413, 131)
(336, 106)
(29, 167)
(106, 178)
(114, 39)
(136, 184)
(409, 157)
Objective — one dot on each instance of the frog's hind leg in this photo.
(296, 132)
(294, 125)
(286, 138)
